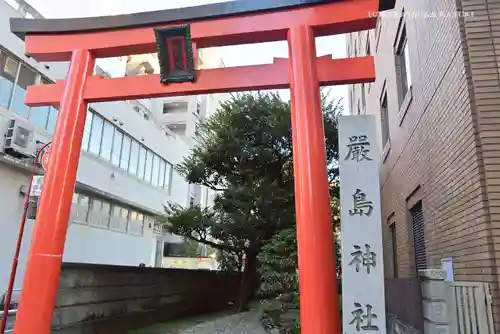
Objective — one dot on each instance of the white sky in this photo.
(232, 56)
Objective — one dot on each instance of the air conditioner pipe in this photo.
(15, 261)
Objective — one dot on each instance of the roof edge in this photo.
(22, 26)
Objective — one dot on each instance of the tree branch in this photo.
(215, 245)
(211, 186)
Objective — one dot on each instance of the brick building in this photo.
(437, 99)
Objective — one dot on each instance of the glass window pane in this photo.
(156, 169)
(105, 207)
(124, 159)
(168, 176)
(83, 200)
(87, 130)
(134, 157)
(117, 211)
(407, 65)
(27, 77)
(107, 140)
(96, 134)
(39, 116)
(133, 215)
(124, 213)
(142, 162)
(8, 72)
(161, 176)
(149, 166)
(51, 122)
(117, 147)
(96, 205)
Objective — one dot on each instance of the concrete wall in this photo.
(84, 243)
(113, 299)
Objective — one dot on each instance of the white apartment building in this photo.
(125, 175)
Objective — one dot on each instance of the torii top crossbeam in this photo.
(83, 40)
(221, 24)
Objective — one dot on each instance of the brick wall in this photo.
(445, 148)
(480, 36)
(114, 299)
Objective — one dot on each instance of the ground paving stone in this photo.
(241, 323)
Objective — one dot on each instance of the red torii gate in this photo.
(83, 40)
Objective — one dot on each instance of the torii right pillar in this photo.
(319, 305)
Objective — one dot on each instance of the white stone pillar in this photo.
(363, 298)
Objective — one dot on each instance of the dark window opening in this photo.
(394, 248)
(418, 231)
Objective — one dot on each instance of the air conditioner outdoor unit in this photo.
(19, 139)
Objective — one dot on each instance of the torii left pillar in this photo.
(49, 234)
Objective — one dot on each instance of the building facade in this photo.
(125, 175)
(437, 101)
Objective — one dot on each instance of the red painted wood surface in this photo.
(329, 19)
(303, 73)
(230, 79)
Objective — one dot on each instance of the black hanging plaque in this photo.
(175, 54)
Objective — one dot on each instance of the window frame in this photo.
(385, 124)
(21, 64)
(402, 60)
(394, 245)
(92, 134)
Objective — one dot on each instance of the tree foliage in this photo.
(244, 153)
(279, 276)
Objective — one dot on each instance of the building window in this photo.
(119, 219)
(168, 178)
(45, 118)
(142, 162)
(100, 214)
(418, 236)
(156, 170)
(384, 120)
(52, 120)
(82, 210)
(102, 138)
(378, 32)
(87, 130)
(394, 248)
(26, 78)
(134, 157)
(96, 134)
(117, 148)
(149, 166)
(8, 73)
(107, 140)
(191, 200)
(161, 176)
(168, 108)
(402, 61)
(135, 223)
(125, 155)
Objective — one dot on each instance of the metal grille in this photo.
(420, 255)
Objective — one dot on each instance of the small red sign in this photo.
(44, 159)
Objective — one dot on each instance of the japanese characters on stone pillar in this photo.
(363, 300)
